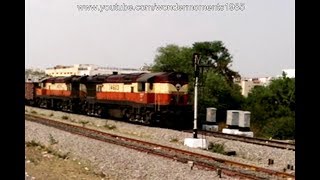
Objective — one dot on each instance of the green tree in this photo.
(273, 108)
(173, 58)
(218, 57)
(216, 83)
(218, 93)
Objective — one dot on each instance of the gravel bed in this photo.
(115, 161)
(246, 153)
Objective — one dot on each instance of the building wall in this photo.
(86, 69)
(247, 86)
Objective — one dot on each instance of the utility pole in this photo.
(196, 62)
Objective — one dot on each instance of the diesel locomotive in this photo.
(159, 99)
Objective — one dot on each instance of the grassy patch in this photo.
(50, 115)
(32, 143)
(50, 150)
(52, 140)
(84, 123)
(108, 126)
(33, 112)
(216, 148)
(65, 117)
(174, 139)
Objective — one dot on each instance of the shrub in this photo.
(52, 140)
(216, 148)
(110, 126)
(84, 123)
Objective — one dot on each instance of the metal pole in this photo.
(196, 62)
(195, 108)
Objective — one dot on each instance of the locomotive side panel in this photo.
(57, 89)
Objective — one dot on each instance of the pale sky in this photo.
(260, 37)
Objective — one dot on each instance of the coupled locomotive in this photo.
(159, 98)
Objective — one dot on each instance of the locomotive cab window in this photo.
(141, 87)
(151, 86)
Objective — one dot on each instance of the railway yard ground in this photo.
(55, 154)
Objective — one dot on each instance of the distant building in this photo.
(33, 74)
(247, 84)
(87, 69)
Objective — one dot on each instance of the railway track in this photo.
(259, 141)
(229, 168)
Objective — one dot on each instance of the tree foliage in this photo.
(217, 88)
(273, 108)
(173, 58)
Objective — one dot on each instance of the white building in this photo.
(87, 69)
(247, 84)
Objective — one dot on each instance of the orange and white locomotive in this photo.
(152, 98)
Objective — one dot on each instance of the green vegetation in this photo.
(33, 112)
(216, 148)
(272, 107)
(174, 139)
(52, 140)
(84, 123)
(33, 143)
(65, 117)
(110, 127)
(49, 149)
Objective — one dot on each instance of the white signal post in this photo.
(196, 70)
(195, 142)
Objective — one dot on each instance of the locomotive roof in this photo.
(60, 79)
(95, 78)
(149, 76)
(163, 77)
(123, 78)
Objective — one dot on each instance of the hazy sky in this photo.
(261, 38)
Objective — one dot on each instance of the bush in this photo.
(84, 123)
(216, 148)
(52, 140)
(174, 139)
(110, 126)
(65, 117)
(280, 128)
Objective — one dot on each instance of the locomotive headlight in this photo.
(178, 86)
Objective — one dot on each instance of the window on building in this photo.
(141, 87)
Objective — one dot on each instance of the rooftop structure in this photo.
(87, 69)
